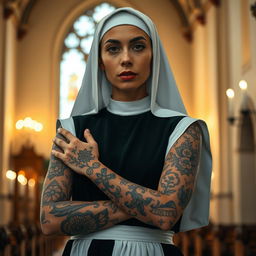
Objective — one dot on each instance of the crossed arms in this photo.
(161, 207)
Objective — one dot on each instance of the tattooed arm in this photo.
(59, 215)
(161, 207)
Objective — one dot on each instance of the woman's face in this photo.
(126, 59)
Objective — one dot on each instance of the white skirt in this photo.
(129, 240)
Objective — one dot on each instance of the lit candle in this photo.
(230, 94)
(243, 87)
(11, 176)
(31, 187)
(23, 182)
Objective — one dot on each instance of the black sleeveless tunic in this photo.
(132, 146)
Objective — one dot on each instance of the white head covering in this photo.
(95, 91)
(122, 18)
(95, 94)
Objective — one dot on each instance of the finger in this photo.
(67, 134)
(58, 154)
(88, 136)
(60, 143)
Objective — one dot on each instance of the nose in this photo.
(126, 60)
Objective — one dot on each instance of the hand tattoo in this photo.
(82, 159)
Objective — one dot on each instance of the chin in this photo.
(130, 85)
(128, 89)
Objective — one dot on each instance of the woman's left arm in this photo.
(161, 207)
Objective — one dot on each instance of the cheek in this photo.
(148, 63)
(108, 64)
(104, 61)
(108, 68)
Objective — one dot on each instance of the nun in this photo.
(129, 168)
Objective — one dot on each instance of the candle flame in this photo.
(31, 182)
(22, 179)
(230, 93)
(243, 85)
(11, 175)
(28, 122)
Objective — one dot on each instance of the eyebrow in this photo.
(114, 41)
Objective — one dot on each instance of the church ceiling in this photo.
(22, 10)
(189, 11)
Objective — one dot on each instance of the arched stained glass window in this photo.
(75, 52)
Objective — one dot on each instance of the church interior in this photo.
(211, 48)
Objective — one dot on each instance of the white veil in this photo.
(95, 93)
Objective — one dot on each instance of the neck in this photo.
(126, 108)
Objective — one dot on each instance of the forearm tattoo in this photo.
(53, 193)
(136, 199)
(169, 182)
(43, 219)
(76, 220)
(168, 209)
(181, 165)
(175, 185)
(186, 154)
(73, 217)
(103, 179)
(84, 223)
(58, 180)
(184, 195)
(155, 207)
(111, 205)
(56, 167)
(62, 209)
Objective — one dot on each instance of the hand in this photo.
(76, 154)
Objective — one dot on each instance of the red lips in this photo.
(127, 75)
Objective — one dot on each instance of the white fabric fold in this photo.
(128, 108)
(130, 233)
(129, 240)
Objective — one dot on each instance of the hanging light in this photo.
(11, 175)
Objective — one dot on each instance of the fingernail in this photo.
(58, 130)
(87, 130)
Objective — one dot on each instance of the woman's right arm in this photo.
(60, 215)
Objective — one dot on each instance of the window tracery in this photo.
(75, 51)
